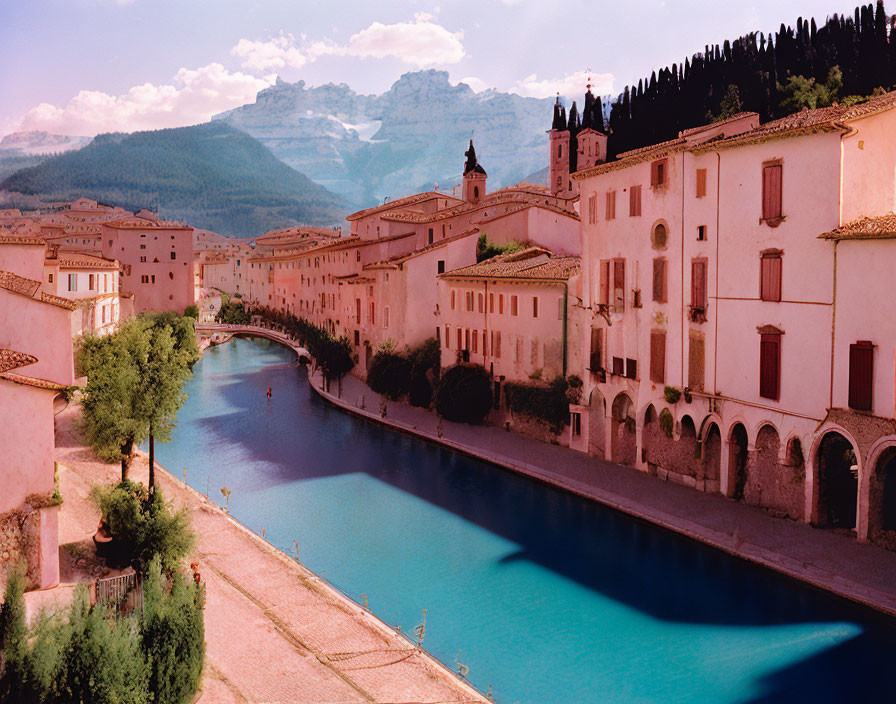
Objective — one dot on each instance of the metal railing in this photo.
(123, 594)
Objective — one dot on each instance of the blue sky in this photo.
(86, 66)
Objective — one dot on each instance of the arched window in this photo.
(475, 191)
(659, 236)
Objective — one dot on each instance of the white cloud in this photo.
(421, 43)
(572, 85)
(195, 96)
(276, 53)
(477, 84)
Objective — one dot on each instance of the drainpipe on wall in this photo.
(715, 342)
(565, 325)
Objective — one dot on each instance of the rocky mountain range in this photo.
(367, 147)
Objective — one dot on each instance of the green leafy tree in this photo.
(143, 527)
(464, 394)
(800, 92)
(173, 635)
(135, 384)
(191, 311)
(389, 374)
(13, 636)
(103, 662)
(731, 103)
(486, 249)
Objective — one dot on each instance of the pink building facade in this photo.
(713, 301)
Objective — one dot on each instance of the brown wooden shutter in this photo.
(605, 282)
(770, 277)
(701, 183)
(596, 360)
(698, 284)
(861, 375)
(658, 356)
(634, 201)
(659, 280)
(696, 362)
(769, 366)
(618, 366)
(771, 191)
(619, 285)
(496, 347)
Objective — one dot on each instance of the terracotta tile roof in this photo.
(806, 121)
(32, 381)
(18, 284)
(701, 128)
(69, 259)
(867, 228)
(534, 263)
(12, 239)
(31, 289)
(503, 197)
(438, 244)
(10, 359)
(415, 199)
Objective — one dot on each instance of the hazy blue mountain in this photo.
(365, 147)
(212, 176)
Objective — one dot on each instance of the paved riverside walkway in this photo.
(275, 632)
(832, 561)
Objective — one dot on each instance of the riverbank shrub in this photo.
(232, 311)
(389, 374)
(334, 355)
(143, 527)
(545, 402)
(88, 655)
(191, 311)
(464, 394)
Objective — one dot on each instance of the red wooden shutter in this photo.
(770, 277)
(861, 375)
(771, 191)
(604, 282)
(496, 347)
(460, 339)
(698, 284)
(596, 361)
(484, 343)
(769, 366)
(592, 209)
(658, 356)
(659, 280)
(619, 285)
(701, 183)
(634, 201)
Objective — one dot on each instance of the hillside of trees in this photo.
(212, 176)
(845, 60)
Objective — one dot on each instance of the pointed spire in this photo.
(559, 122)
(472, 164)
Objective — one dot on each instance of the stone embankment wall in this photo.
(20, 544)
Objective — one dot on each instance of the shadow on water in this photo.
(298, 436)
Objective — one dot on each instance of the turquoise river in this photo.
(545, 596)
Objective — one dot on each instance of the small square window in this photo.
(701, 233)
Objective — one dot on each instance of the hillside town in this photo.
(714, 294)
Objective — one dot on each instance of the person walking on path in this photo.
(269, 393)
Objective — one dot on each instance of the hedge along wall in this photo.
(544, 402)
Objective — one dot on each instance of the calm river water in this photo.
(545, 596)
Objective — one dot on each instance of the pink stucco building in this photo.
(89, 281)
(36, 364)
(709, 266)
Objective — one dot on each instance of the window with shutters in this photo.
(491, 303)
(659, 280)
(772, 213)
(452, 299)
(611, 205)
(770, 275)
(698, 291)
(658, 356)
(596, 359)
(592, 209)
(447, 337)
(467, 339)
(658, 173)
(91, 282)
(861, 375)
(470, 301)
(475, 347)
(386, 317)
(514, 305)
(481, 302)
(701, 183)
(73, 282)
(534, 306)
(460, 339)
(430, 236)
(496, 344)
(484, 343)
(770, 363)
(618, 366)
(634, 201)
(440, 266)
(500, 304)
(619, 285)
(371, 316)
(701, 233)
(631, 369)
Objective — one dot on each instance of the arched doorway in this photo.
(648, 438)
(624, 442)
(837, 477)
(712, 458)
(762, 479)
(882, 501)
(737, 461)
(597, 429)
